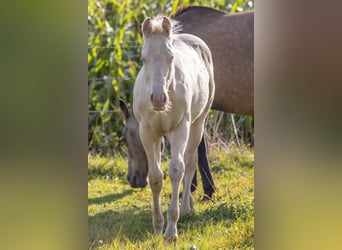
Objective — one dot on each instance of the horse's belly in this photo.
(200, 95)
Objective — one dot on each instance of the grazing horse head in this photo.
(157, 56)
(137, 161)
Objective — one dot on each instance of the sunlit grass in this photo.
(119, 217)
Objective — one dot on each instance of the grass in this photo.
(119, 217)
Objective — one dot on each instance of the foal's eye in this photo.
(143, 60)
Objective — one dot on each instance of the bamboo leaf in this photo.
(120, 72)
(174, 7)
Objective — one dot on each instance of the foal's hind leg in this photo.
(190, 158)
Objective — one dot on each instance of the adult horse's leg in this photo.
(155, 175)
(194, 180)
(207, 179)
(178, 140)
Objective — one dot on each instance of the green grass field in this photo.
(119, 217)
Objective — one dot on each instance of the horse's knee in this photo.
(156, 179)
(176, 169)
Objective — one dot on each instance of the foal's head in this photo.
(158, 55)
(137, 161)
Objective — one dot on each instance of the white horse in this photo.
(173, 93)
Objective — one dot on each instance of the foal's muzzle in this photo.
(158, 101)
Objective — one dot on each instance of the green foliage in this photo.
(114, 46)
(119, 217)
(102, 167)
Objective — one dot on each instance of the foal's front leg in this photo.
(178, 140)
(155, 175)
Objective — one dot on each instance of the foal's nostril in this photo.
(159, 100)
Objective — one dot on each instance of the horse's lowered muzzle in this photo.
(137, 182)
(158, 102)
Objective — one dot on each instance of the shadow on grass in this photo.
(135, 223)
(225, 213)
(109, 198)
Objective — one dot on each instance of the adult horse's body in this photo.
(172, 96)
(230, 38)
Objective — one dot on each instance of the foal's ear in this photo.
(147, 27)
(166, 24)
(124, 110)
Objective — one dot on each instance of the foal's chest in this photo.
(162, 122)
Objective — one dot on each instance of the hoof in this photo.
(207, 198)
(170, 238)
(158, 231)
(170, 234)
